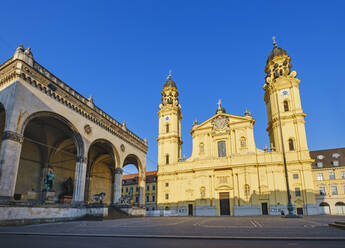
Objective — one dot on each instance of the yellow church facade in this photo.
(226, 173)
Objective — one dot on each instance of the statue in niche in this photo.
(67, 187)
(49, 180)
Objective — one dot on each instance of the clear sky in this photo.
(121, 52)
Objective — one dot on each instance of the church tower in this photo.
(169, 133)
(283, 103)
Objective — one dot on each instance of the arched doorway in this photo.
(100, 172)
(2, 121)
(47, 160)
(133, 181)
(340, 208)
(324, 208)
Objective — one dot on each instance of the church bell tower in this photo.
(169, 132)
(283, 103)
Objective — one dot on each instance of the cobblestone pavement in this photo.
(262, 226)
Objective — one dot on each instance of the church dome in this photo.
(170, 83)
(277, 51)
(220, 108)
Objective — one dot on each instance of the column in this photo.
(141, 185)
(117, 185)
(9, 162)
(79, 180)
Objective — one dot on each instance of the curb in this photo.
(91, 235)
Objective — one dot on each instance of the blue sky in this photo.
(121, 52)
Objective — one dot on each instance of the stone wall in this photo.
(27, 215)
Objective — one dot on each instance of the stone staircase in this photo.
(338, 224)
(116, 213)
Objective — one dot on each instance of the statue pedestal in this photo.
(66, 199)
(49, 197)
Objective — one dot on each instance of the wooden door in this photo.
(190, 209)
(264, 208)
(224, 203)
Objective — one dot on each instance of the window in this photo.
(320, 157)
(335, 163)
(319, 164)
(334, 190)
(286, 106)
(153, 187)
(166, 196)
(153, 198)
(295, 176)
(335, 155)
(291, 145)
(201, 148)
(167, 159)
(167, 128)
(126, 189)
(221, 149)
(343, 175)
(147, 198)
(121, 190)
(136, 189)
(322, 190)
(243, 142)
(331, 175)
(319, 176)
(137, 199)
(166, 184)
(147, 187)
(297, 191)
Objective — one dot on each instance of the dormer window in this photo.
(335, 155)
(320, 157)
(319, 164)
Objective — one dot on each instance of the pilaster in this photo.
(79, 180)
(9, 162)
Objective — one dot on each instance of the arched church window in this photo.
(286, 106)
(243, 142)
(167, 159)
(221, 149)
(201, 148)
(291, 145)
(167, 128)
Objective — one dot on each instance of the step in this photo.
(337, 226)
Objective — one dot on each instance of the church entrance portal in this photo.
(190, 209)
(264, 208)
(224, 203)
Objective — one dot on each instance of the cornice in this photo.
(40, 78)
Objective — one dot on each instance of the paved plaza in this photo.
(191, 231)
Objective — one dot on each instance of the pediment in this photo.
(220, 121)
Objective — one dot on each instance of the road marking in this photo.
(258, 223)
(253, 223)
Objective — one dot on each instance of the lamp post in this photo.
(289, 207)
